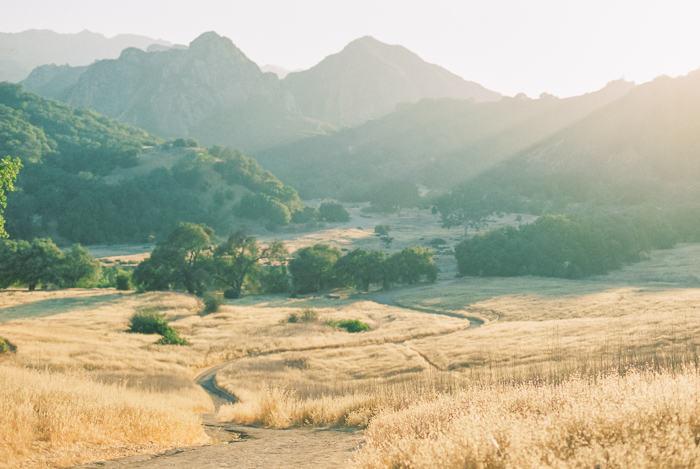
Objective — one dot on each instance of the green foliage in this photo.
(178, 262)
(42, 262)
(559, 246)
(257, 206)
(69, 156)
(382, 230)
(123, 281)
(4, 346)
(171, 337)
(307, 215)
(8, 174)
(80, 268)
(274, 279)
(212, 302)
(333, 212)
(235, 260)
(312, 268)
(350, 325)
(437, 242)
(411, 265)
(148, 321)
(362, 268)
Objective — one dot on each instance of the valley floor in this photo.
(412, 380)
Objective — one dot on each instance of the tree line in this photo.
(191, 260)
(569, 247)
(41, 262)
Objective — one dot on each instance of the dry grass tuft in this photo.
(643, 420)
(53, 419)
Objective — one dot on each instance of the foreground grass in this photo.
(53, 419)
(642, 420)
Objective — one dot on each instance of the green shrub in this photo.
(382, 230)
(351, 325)
(123, 281)
(293, 318)
(437, 242)
(212, 302)
(231, 294)
(4, 346)
(148, 321)
(171, 337)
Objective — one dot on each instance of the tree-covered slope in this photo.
(91, 179)
(435, 142)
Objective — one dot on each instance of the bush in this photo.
(351, 325)
(4, 346)
(123, 281)
(437, 242)
(212, 302)
(309, 315)
(231, 294)
(171, 337)
(305, 315)
(382, 230)
(333, 212)
(148, 321)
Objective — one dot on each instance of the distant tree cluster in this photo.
(191, 260)
(41, 262)
(332, 212)
(559, 246)
(321, 267)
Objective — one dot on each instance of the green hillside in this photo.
(435, 142)
(90, 179)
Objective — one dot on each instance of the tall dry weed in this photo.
(53, 419)
(644, 419)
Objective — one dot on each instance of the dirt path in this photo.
(243, 446)
(388, 297)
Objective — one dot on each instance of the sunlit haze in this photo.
(563, 48)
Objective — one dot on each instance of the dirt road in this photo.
(242, 446)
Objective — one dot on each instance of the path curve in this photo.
(255, 447)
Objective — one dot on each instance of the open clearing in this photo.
(328, 385)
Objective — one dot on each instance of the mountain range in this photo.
(21, 52)
(211, 91)
(375, 112)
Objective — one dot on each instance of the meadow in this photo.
(561, 373)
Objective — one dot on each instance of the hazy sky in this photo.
(564, 47)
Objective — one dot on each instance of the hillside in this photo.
(649, 135)
(21, 52)
(435, 142)
(641, 151)
(91, 179)
(210, 91)
(368, 78)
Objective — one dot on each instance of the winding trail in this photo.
(245, 446)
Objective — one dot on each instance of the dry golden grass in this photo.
(54, 419)
(411, 365)
(641, 420)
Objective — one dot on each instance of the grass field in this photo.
(549, 354)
